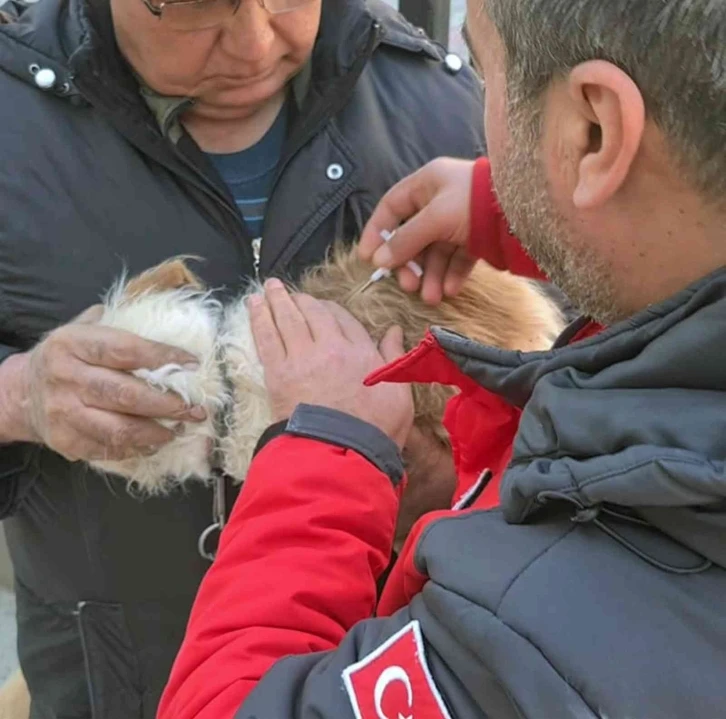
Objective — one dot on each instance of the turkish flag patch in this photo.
(394, 681)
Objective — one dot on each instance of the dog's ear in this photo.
(172, 274)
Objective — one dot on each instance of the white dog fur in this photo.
(190, 319)
(249, 413)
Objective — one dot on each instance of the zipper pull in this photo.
(256, 251)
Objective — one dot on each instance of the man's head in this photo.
(608, 146)
(233, 56)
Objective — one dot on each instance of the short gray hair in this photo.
(675, 51)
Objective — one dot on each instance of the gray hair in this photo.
(674, 50)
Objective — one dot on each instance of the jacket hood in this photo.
(74, 39)
(634, 417)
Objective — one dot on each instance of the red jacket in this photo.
(300, 557)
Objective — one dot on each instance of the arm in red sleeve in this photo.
(297, 567)
(490, 238)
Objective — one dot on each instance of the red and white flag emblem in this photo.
(394, 681)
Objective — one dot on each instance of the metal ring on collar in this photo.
(202, 541)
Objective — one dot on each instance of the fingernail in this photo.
(383, 256)
(191, 366)
(273, 284)
(198, 413)
(255, 300)
(148, 451)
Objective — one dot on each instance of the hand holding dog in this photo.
(73, 393)
(316, 353)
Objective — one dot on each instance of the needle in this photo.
(382, 272)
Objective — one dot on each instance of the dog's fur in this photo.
(168, 304)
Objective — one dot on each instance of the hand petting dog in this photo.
(316, 352)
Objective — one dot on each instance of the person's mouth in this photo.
(246, 81)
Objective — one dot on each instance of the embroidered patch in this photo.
(394, 681)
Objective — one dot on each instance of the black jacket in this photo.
(91, 180)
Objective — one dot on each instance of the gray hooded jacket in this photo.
(598, 588)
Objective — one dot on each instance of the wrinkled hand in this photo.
(80, 401)
(430, 212)
(315, 352)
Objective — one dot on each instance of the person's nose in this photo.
(250, 35)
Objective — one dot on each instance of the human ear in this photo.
(613, 110)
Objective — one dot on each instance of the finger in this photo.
(400, 203)
(350, 327)
(408, 280)
(321, 321)
(437, 262)
(117, 349)
(429, 226)
(114, 436)
(116, 391)
(291, 325)
(391, 346)
(460, 267)
(270, 347)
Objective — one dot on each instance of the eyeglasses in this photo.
(205, 14)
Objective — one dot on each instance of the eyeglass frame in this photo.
(158, 10)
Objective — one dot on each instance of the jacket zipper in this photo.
(86, 657)
(256, 252)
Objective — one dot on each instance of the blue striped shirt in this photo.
(250, 174)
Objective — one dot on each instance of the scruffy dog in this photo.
(169, 304)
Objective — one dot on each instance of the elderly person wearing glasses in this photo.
(249, 133)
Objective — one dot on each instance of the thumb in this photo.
(391, 346)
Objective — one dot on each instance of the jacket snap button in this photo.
(334, 171)
(453, 63)
(45, 78)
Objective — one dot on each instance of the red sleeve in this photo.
(297, 567)
(490, 238)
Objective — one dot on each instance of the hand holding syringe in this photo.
(382, 272)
